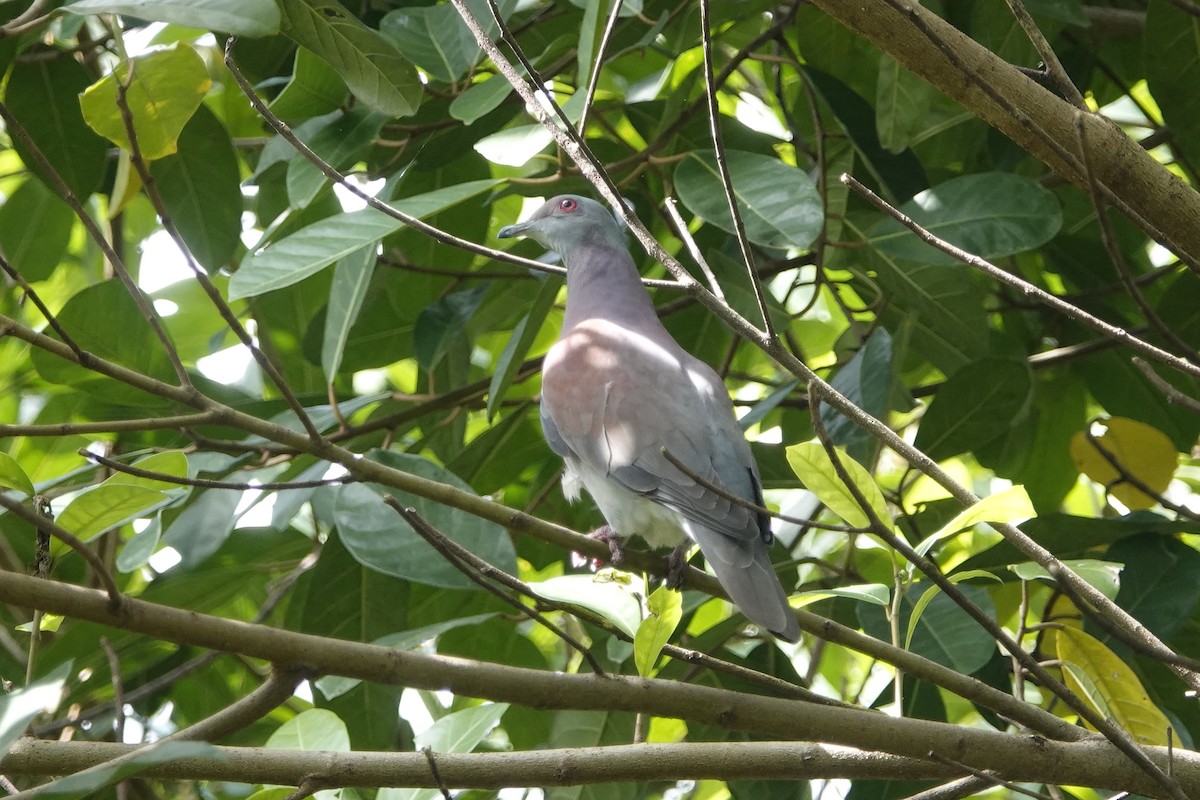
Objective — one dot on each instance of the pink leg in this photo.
(605, 533)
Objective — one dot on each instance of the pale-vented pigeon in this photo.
(617, 390)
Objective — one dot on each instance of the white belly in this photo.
(627, 513)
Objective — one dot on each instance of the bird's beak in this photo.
(509, 231)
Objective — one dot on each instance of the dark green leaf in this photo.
(35, 229)
(443, 322)
(200, 187)
(379, 538)
(44, 97)
(944, 633)
(341, 143)
(372, 68)
(779, 204)
(987, 214)
(436, 39)
(315, 89)
(519, 343)
(1158, 582)
(866, 381)
(978, 403)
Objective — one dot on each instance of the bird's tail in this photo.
(744, 568)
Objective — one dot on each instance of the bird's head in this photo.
(565, 222)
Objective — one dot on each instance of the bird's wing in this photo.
(616, 400)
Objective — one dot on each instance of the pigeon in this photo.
(621, 400)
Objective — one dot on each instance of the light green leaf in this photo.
(373, 69)
(311, 249)
(239, 17)
(13, 477)
(665, 609)
(351, 278)
(1104, 575)
(108, 506)
(18, 708)
(1011, 505)
(314, 729)
(614, 601)
(813, 467)
(519, 343)
(167, 88)
(168, 462)
(460, 732)
(779, 204)
(480, 99)
(874, 593)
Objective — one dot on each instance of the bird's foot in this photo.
(616, 552)
(677, 564)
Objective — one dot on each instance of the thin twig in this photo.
(1105, 726)
(477, 570)
(1054, 67)
(992, 271)
(594, 79)
(1172, 394)
(205, 483)
(33, 296)
(990, 777)
(437, 775)
(718, 140)
(672, 208)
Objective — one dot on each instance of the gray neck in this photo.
(602, 282)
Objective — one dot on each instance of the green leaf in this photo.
(351, 279)
(107, 506)
(977, 404)
(167, 88)
(35, 229)
(462, 731)
(873, 593)
(379, 538)
(43, 96)
(168, 462)
(136, 551)
(989, 214)
(1104, 575)
(373, 69)
(480, 99)
(335, 685)
(85, 783)
(1172, 63)
(314, 729)
(341, 142)
(315, 89)
(436, 39)
(944, 632)
(866, 381)
(1010, 505)
(779, 204)
(612, 599)
(519, 343)
(664, 610)
(238, 17)
(1158, 582)
(442, 323)
(813, 467)
(13, 477)
(19, 707)
(1109, 685)
(201, 189)
(902, 102)
(927, 597)
(312, 248)
(942, 315)
(203, 526)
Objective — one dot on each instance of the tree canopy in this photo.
(277, 516)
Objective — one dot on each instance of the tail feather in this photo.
(750, 580)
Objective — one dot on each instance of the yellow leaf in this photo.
(1142, 451)
(1098, 675)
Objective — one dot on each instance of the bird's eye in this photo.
(567, 204)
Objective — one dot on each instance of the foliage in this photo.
(235, 432)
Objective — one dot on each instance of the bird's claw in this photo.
(676, 564)
(616, 552)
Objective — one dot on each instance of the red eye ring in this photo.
(567, 204)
